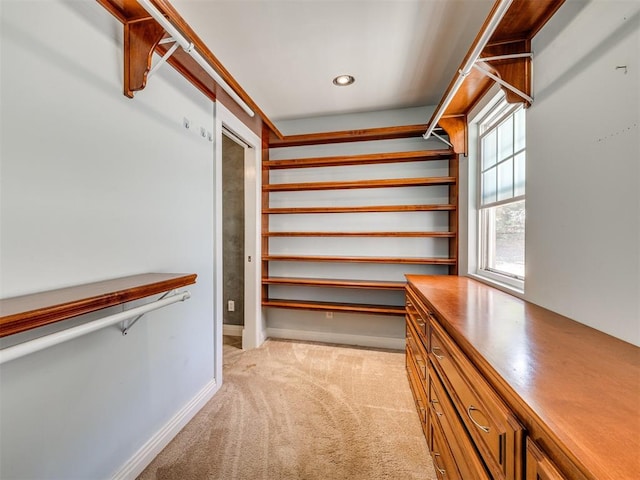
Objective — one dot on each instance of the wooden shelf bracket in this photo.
(455, 126)
(140, 41)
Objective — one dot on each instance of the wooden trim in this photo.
(521, 23)
(368, 159)
(172, 14)
(27, 312)
(361, 209)
(264, 206)
(323, 282)
(335, 307)
(350, 259)
(385, 133)
(129, 12)
(353, 184)
(454, 167)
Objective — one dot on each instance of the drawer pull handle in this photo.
(470, 409)
(433, 404)
(433, 350)
(435, 464)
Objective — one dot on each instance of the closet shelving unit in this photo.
(449, 234)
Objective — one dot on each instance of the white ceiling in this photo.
(403, 53)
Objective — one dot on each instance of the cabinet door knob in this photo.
(470, 409)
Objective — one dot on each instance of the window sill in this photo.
(515, 291)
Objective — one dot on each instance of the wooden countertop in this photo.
(579, 386)
(19, 314)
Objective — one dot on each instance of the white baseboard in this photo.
(340, 338)
(232, 330)
(143, 457)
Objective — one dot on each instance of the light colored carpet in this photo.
(296, 410)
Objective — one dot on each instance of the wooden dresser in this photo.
(506, 389)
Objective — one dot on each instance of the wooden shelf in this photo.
(349, 259)
(361, 209)
(323, 282)
(340, 181)
(27, 312)
(345, 136)
(521, 22)
(335, 307)
(360, 234)
(353, 184)
(348, 160)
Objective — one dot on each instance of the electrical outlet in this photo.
(231, 306)
(329, 314)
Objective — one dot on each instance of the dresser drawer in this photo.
(496, 432)
(443, 462)
(419, 352)
(539, 466)
(418, 315)
(468, 463)
(418, 390)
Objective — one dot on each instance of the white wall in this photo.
(97, 186)
(583, 190)
(359, 329)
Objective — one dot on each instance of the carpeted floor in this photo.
(296, 410)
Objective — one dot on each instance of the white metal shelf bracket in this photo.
(166, 56)
(442, 139)
(500, 81)
(126, 329)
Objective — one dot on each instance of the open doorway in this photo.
(229, 128)
(233, 228)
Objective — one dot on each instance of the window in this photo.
(501, 204)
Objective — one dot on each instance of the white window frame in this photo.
(495, 110)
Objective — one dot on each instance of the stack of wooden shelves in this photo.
(336, 169)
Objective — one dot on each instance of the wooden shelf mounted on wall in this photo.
(26, 312)
(311, 282)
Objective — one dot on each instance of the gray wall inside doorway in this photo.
(233, 230)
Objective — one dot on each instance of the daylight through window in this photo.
(502, 192)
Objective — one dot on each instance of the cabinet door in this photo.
(539, 466)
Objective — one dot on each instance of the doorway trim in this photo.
(254, 332)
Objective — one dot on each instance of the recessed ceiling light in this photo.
(343, 80)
